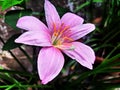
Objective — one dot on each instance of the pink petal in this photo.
(82, 54)
(41, 38)
(50, 62)
(81, 30)
(65, 46)
(72, 20)
(31, 23)
(52, 16)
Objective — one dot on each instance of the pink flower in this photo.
(59, 36)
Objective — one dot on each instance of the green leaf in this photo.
(12, 16)
(1, 3)
(97, 1)
(10, 44)
(9, 3)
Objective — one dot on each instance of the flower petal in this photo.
(52, 16)
(70, 19)
(81, 30)
(82, 54)
(41, 38)
(50, 62)
(31, 23)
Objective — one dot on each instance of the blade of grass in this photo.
(17, 72)
(112, 51)
(95, 71)
(26, 86)
(82, 6)
(10, 87)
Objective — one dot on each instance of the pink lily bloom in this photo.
(58, 36)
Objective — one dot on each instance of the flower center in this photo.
(61, 35)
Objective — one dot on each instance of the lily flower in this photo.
(58, 36)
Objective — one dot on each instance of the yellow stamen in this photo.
(60, 35)
(67, 38)
(67, 27)
(55, 31)
(59, 42)
(54, 27)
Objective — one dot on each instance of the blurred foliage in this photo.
(105, 40)
(9, 3)
(16, 14)
(10, 44)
